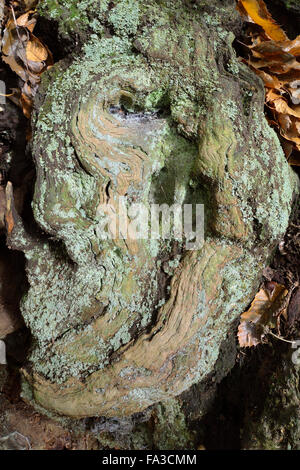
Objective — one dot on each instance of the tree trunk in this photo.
(151, 107)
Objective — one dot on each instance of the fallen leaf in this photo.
(294, 160)
(281, 106)
(292, 134)
(295, 95)
(35, 50)
(26, 55)
(9, 219)
(275, 59)
(27, 105)
(263, 312)
(269, 80)
(249, 334)
(259, 13)
(284, 121)
(271, 50)
(15, 66)
(293, 47)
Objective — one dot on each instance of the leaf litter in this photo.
(276, 60)
(25, 54)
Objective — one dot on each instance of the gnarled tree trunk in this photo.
(153, 106)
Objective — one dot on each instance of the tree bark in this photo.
(152, 105)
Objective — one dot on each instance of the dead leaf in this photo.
(281, 106)
(263, 312)
(272, 50)
(259, 13)
(287, 148)
(275, 59)
(293, 47)
(293, 133)
(249, 334)
(9, 219)
(26, 55)
(15, 66)
(294, 94)
(27, 105)
(35, 50)
(294, 160)
(284, 121)
(269, 80)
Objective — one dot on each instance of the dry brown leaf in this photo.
(266, 302)
(274, 58)
(276, 65)
(9, 219)
(293, 134)
(284, 121)
(287, 148)
(294, 160)
(266, 306)
(282, 107)
(294, 95)
(259, 13)
(270, 81)
(22, 20)
(289, 77)
(36, 68)
(27, 22)
(271, 50)
(35, 50)
(272, 95)
(17, 68)
(249, 334)
(27, 105)
(293, 47)
(10, 40)
(243, 12)
(26, 55)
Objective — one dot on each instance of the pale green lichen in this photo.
(124, 17)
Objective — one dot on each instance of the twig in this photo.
(282, 339)
(20, 39)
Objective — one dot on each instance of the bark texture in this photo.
(155, 107)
